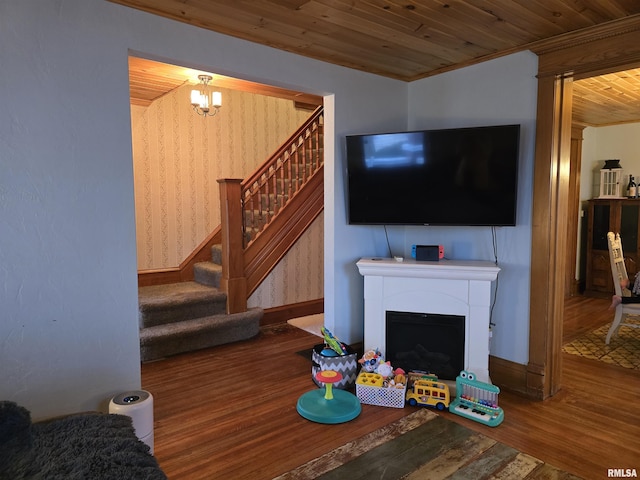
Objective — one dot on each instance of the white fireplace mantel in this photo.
(446, 287)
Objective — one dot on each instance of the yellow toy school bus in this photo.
(429, 392)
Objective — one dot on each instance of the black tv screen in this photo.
(459, 176)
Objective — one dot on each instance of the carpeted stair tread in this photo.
(156, 296)
(160, 304)
(208, 273)
(170, 339)
(216, 254)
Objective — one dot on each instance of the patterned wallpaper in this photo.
(178, 157)
(300, 274)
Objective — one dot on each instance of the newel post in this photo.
(233, 280)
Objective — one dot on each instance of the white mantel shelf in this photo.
(450, 287)
(449, 269)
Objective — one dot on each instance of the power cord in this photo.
(494, 241)
(386, 234)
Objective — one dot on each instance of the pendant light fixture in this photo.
(203, 102)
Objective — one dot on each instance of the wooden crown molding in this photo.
(586, 35)
(596, 50)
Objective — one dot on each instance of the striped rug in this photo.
(425, 445)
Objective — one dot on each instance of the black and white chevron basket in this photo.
(347, 365)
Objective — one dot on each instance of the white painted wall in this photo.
(68, 330)
(498, 92)
(605, 143)
(502, 91)
(600, 144)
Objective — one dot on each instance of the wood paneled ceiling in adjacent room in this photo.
(406, 40)
(610, 99)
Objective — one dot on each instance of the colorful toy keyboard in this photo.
(476, 400)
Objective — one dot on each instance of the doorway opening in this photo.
(557, 68)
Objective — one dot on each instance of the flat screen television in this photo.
(458, 176)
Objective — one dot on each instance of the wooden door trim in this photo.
(615, 46)
(549, 233)
(571, 283)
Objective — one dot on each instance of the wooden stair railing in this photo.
(285, 195)
(282, 175)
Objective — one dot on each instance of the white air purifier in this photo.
(138, 405)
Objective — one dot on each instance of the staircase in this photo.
(263, 218)
(181, 317)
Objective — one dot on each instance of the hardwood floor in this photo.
(229, 411)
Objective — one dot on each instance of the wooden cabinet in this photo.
(610, 215)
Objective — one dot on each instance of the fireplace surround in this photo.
(447, 287)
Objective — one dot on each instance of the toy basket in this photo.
(381, 396)
(347, 365)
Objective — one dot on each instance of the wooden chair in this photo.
(619, 272)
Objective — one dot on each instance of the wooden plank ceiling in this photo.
(407, 39)
(610, 99)
(149, 80)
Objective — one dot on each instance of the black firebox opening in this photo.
(426, 342)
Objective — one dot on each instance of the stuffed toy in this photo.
(385, 369)
(370, 360)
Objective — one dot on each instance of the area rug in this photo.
(425, 445)
(623, 349)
